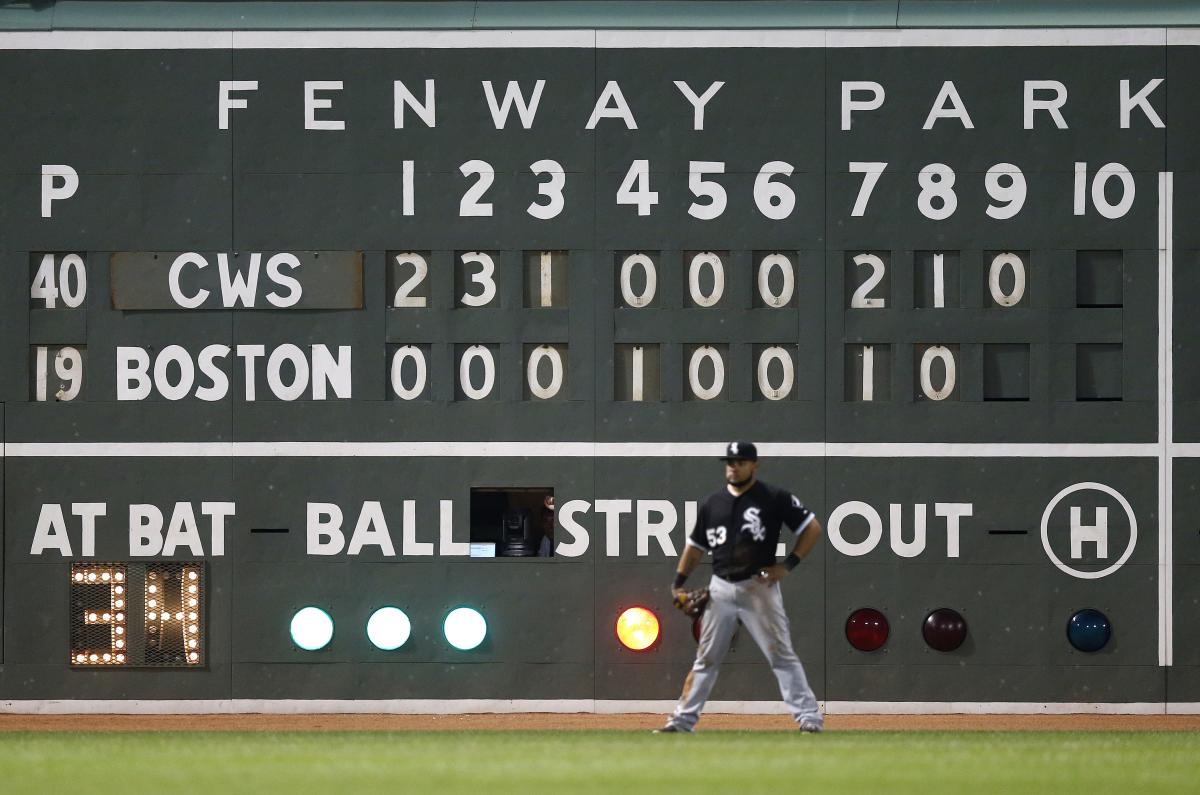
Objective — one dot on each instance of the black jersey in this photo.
(742, 532)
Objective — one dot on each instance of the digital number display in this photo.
(137, 615)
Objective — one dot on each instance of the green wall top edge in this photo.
(591, 14)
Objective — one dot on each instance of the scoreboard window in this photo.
(1006, 279)
(868, 372)
(868, 280)
(936, 279)
(1098, 371)
(936, 369)
(545, 284)
(517, 522)
(1006, 371)
(1099, 279)
(637, 372)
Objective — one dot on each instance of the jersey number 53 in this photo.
(716, 536)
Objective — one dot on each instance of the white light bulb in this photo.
(151, 589)
(311, 628)
(464, 628)
(152, 616)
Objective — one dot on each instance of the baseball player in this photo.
(740, 525)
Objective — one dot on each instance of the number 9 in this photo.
(1012, 197)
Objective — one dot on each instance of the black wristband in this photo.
(791, 561)
(680, 579)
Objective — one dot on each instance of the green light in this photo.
(388, 628)
(312, 628)
(465, 628)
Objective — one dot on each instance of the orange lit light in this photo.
(637, 628)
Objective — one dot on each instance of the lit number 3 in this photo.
(98, 631)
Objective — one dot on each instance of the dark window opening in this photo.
(512, 522)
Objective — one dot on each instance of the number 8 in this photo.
(937, 182)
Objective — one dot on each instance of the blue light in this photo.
(1089, 630)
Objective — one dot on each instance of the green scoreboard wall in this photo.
(275, 305)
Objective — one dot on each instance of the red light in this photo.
(637, 628)
(867, 629)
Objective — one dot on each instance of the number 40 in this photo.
(68, 281)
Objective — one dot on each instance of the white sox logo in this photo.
(753, 524)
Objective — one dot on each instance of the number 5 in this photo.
(701, 187)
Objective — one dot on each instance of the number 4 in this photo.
(635, 188)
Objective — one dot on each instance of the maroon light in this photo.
(867, 629)
(944, 629)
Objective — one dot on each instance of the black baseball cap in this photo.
(743, 450)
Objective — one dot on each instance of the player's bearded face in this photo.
(739, 472)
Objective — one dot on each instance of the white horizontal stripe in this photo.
(410, 39)
(998, 37)
(564, 450)
(990, 450)
(587, 38)
(597, 706)
(1185, 450)
(668, 39)
(1183, 36)
(117, 40)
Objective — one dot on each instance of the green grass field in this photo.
(481, 763)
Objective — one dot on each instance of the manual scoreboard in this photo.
(366, 323)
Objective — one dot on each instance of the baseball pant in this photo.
(759, 607)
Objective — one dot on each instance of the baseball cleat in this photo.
(671, 728)
(811, 727)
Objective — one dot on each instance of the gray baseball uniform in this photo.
(742, 533)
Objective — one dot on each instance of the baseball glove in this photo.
(692, 603)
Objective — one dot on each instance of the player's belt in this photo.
(736, 577)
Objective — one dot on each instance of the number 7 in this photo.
(872, 172)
